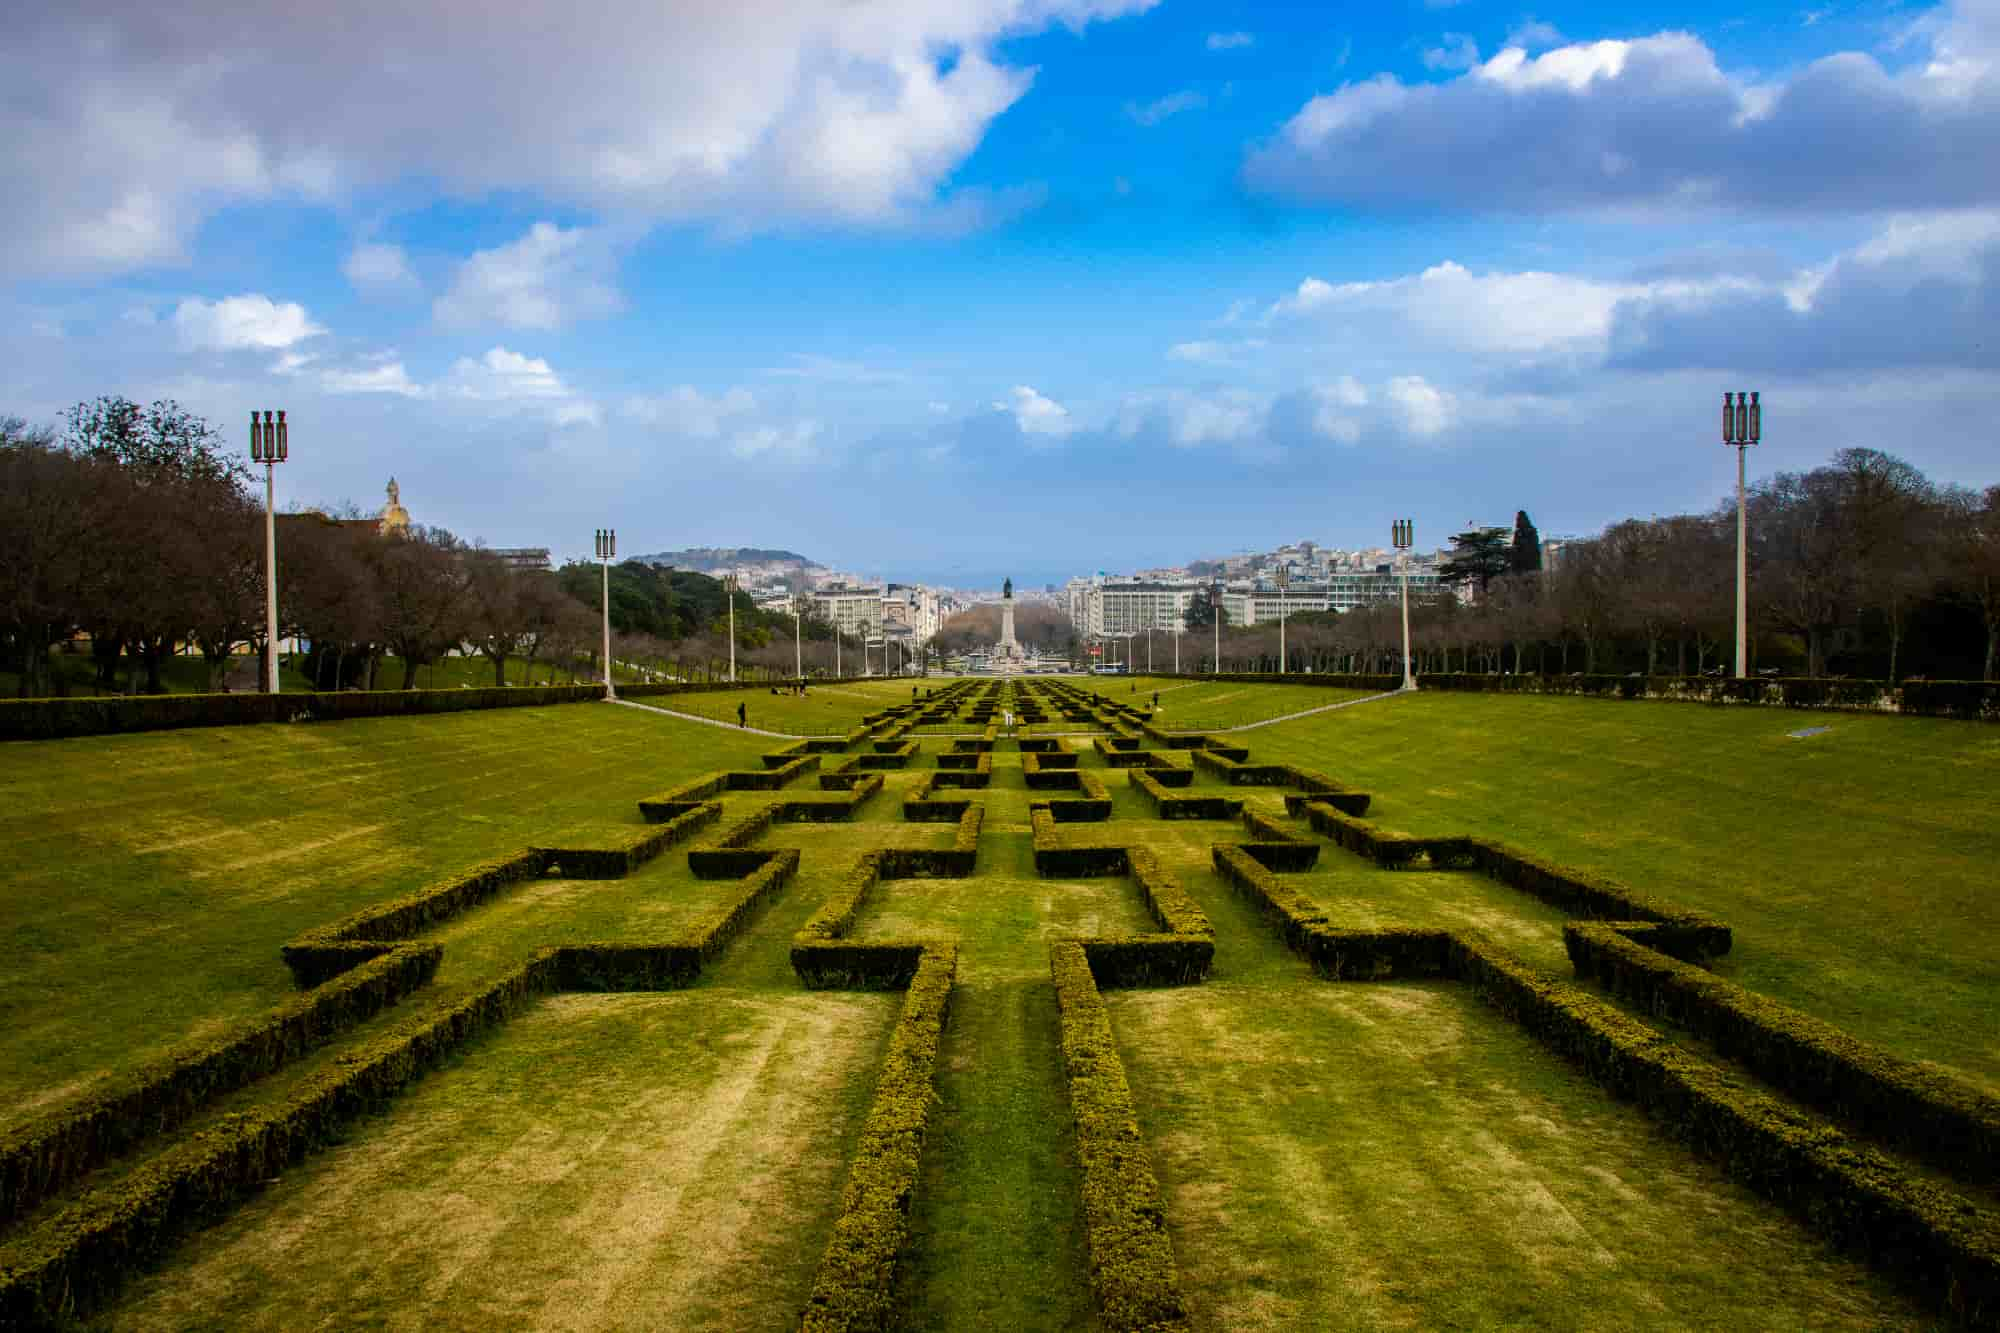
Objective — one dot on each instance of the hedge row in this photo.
(1238, 772)
(962, 759)
(1327, 680)
(1094, 807)
(1263, 828)
(1315, 785)
(771, 779)
(624, 967)
(1942, 1118)
(40, 1159)
(1055, 861)
(857, 789)
(843, 781)
(677, 801)
(1945, 1252)
(328, 951)
(54, 719)
(1038, 778)
(1170, 806)
(924, 806)
(617, 861)
(896, 756)
(1686, 935)
(852, 1288)
(728, 855)
(1132, 1273)
(1040, 761)
(1332, 951)
(978, 775)
(77, 1258)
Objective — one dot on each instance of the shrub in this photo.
(1132, 1272)
(1952, 1123)
(677, 801)
(53, 719)
(853, 1286)
(628, 854)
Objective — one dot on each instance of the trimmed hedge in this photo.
(1945, 1252)
(780, 757)
(1686, 935)
(977, 776)
(771, 779)
(328, 951)
(1047, 761)
(677, 801)
(1948, 1121)
(617, 861)
(1170, 806)
(924, 806)
(852, 1289)
(1132, 1273)
(41, 1158)
(1055, 861)
(624, 967)
(1263, 828)
(728, 855)
(962, 759)
(896, 756)
(1240, 773)
(804, 811)
(55, 719)
(1393, 851)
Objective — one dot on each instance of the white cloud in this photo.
(1422, 408)
(796, 442)
(545, 280)
(379, 267)
(505, 376)
(134, 125)
(1458, 52)
(1037, 415)
(1152, 113)
(1533, 35)
(832, 370)
(1210, 353)
(685, 410)
(249, 321)
(1652, 126)
(388, 377)
(1229, 41)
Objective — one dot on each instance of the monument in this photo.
(1007, 647)
(394, 520)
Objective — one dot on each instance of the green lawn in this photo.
(1857, 866)
(151, 878)
(823, 710)
(1189, 703)
(1331, 1155)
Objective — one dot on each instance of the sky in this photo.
(944, 290)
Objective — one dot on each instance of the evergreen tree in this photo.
(1478, 556)
(1526, 557)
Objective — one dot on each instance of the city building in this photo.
(853, 611)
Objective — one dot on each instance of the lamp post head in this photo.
(270, 439)
(1742, 419)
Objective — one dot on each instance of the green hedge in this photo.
(677, 801)
(328, 951)
(1290, 857)
(1047, 761)
(824, 811)
(72, 1262)
(1950, 1122)
(962, 759)
(853, 1287)
(620, 859)
(896, 756)
(1263, 828)
(1132, 1273)
(1967, 699)
(1055, 861)
(677, 963)
(1684, 934)
(978, 776)
(1945, 1252)
(780, 757)
(923, 806)
(54, 719)
(771, 779)
(1170, 806)
(41, 1158)
(1393, 851)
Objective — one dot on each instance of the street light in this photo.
(799, 636)
(270, 444)
(1402, 535)
(729, 589)
(607, 548)
(1284, 581)
(1742, 426)
(1215, 619)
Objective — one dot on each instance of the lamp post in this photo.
(1742, 427)
(799, 635)
(1403, 536)
(607, 548)
(1215, 619)
(1284, 581)
(270, 445)
(729, 589)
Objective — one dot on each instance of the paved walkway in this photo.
(713, 722)
(1308, 712)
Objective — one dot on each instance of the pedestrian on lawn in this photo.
(742, 715)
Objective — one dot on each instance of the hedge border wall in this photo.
(57, 719)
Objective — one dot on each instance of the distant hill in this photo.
(703, 559)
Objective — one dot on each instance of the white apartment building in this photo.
(914, 608)
(853, 611)
(1099, 607)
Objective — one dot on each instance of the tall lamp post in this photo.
(607, 548)
(729, 590)
(1742, 427)
(1401, 534)
(799, 635)
(270, 445)
(1215, 619)
(1284, 581)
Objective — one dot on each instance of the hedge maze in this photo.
(1793, 1108)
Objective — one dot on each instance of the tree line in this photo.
(1861, 567)
(134, 526)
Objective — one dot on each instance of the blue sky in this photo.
(944, 289)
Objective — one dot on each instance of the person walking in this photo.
(742, 714)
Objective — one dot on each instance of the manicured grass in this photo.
(823, 710)
(1397, 1156)
(653, 1160)
(1360, 1155)
(1857, 865)
(152, 878)
(1193, 704)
